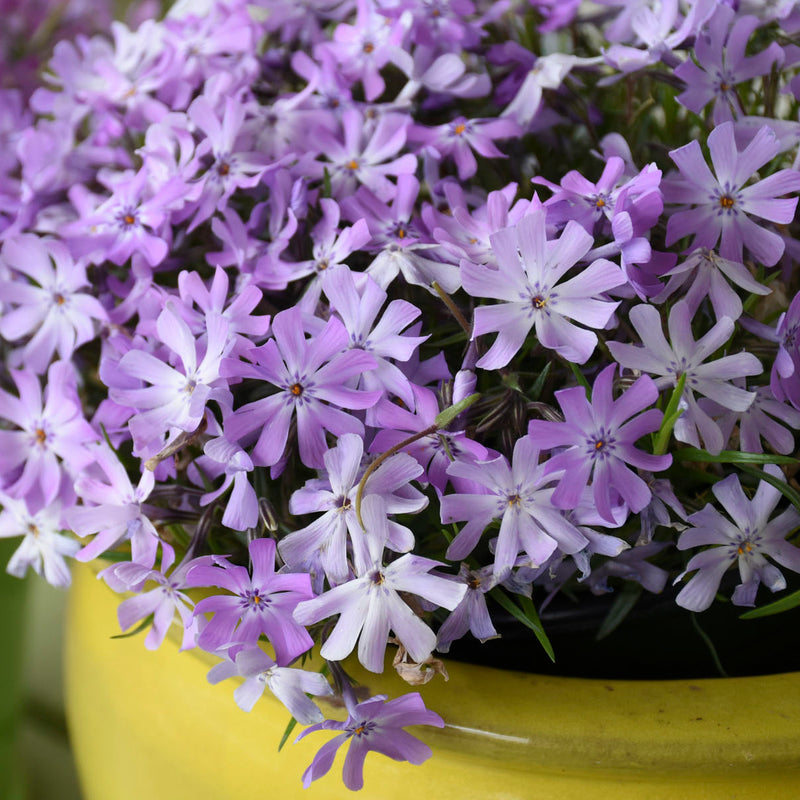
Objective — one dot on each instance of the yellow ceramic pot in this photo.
(147, 726)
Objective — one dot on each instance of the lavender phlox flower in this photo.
(311, 379)
(370, 605)
(335, 495)
(52, 311)
(43, 546)
(398, 239)
(361, 157)
(784, 379)
(461, 136)
(116, 513)
(747, 538)
(374, 725)
(722, 64)
(131, 220)
(527, 281)
(175, 399)
(657, 33)
(684, 355)
(520, 496)
(243, 325)
(765, 418)
(441, 73)
(723, 204)
(656, 513)
(631, 565)
(372, 42)
(162, 602)
(38, 460)
(434, 452)
(466, 234)
(590, 203)
(232, 166)
(227, 458)
(600, 438)
(259, 603)
(290, 686)
(471, 614)
(331, 246)
(384, 338)
(707, 275)
(548, 72)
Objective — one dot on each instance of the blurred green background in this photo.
(35, 758)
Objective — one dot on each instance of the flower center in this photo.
(367, 48)
(514, 499)
(254, 600)
(538, 302)
(352, 165)
(41, 436)
(744, 547)
(224, 169)
(296, 389)
(459, 129)
(474, 582)
(59, 299)
(726, 201)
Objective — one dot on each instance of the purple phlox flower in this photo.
(175, 399)
(363, 49)
(290, 686)
(261, 603)
(43, 546)
(722, 204)
(370, 605)
(331, 88)
(591, 203)
(527, 281)
(161, 602)
(131, 220)
(600, 438)
(117, 513)
(442, 74)
(326, 538)
(722, 64)
(746, 540)
(224, 457)
(374, 725)
(364, 157)
(434, 452)
(656, 33)
(784, 379)
(278, 216)
(548, 72)
(707, 275)
(685, 355)
(311, 378)
(765, 418)
(383, 339)
(233, 165)
(398, 239)
(471, 614)
(519, 495)
(331, 246)
(39, 460)
(631, 565)
(461, 136)
(52, 309)
(465, 234)
(243, 325)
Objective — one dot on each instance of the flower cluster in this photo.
(367, 319)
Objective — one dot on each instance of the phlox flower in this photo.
(374, 725)
(52, 311)
(290, 686)
(746, 539)
(600, 436)
(370, 605)
(471, 614)
(528, 282)
(723, 204)
(43, 546)
(258, 603)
